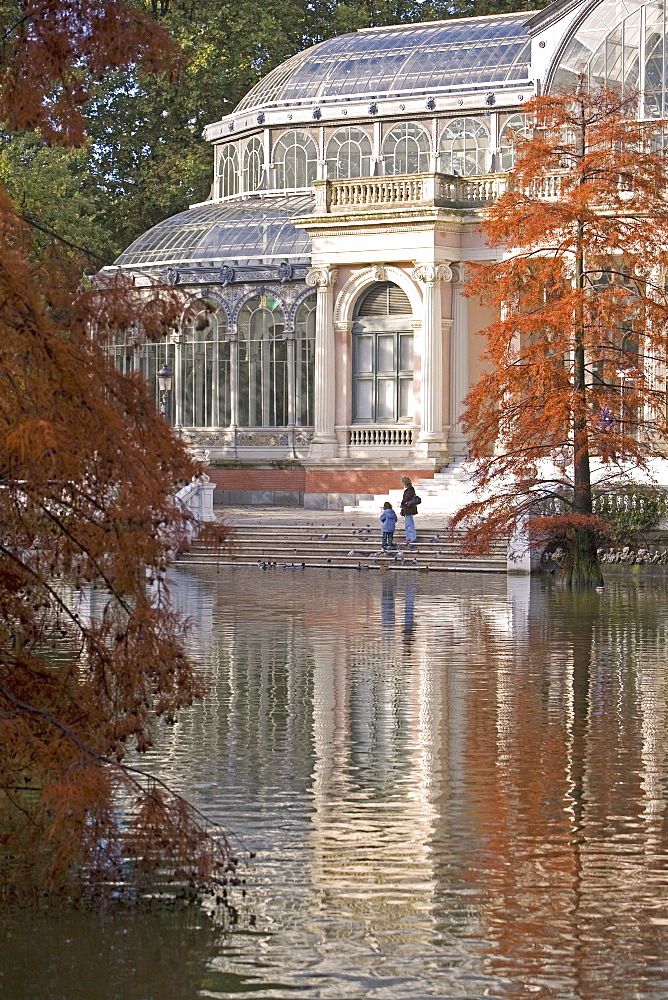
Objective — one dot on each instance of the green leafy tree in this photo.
(51, 189)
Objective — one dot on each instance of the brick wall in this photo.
(293, 480)
(312, 480)
(359, 481)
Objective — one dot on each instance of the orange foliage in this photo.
(572, 363)
(87, 473)
(54, 49)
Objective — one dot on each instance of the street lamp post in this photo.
(165, 387)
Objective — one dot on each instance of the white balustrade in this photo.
(360, 194)
(378, 436)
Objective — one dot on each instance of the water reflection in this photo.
(455, 785)
(480, 758)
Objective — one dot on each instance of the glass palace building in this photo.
(326, 346)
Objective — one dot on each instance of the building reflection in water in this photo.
(471, 771)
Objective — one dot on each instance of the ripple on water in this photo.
(455, 786)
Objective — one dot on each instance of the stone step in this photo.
(351, 545)
(450, 567)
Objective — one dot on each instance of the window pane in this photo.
(304, 362)
(405, 352)
(364, 354)
(386, 352)
(406, 406)
(363, 402)
(385, 400)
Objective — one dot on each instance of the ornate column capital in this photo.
(323, 276)
(458, 274)
(431, 274)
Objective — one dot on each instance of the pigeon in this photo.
(329, 560)
(435, 538)
(415, 562)
(352, 552)
(323, 537)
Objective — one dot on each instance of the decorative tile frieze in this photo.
(255, 439)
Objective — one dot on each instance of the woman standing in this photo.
(408, 510)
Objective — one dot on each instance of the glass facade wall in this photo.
(205, 369)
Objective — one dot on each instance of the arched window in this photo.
(152, 355)
(205, 368)
(228, 171)
(349, 154)
(383, 356)
(253, 164)
(465, 147)
(262, 364)
(295, 158)
(406, 150)
(516, 126)
(305, 362)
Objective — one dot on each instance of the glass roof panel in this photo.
(243, 230)
(421, 58)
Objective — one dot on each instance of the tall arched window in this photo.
(305, 362)
(383, 356)
(228, 171)
(262, 364)
(465, 147)
(406, 150)
(295, 159)
(152, 355)
(515, 126)
(205, 368)
(349, 154)
(253, 164)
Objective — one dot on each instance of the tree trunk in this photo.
(582, 567)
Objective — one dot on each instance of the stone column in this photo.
(431, 442)
(459, 361)
(323, 444)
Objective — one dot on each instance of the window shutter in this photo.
(384, 299)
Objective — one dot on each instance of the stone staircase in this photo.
(443, 495)
(350, 542)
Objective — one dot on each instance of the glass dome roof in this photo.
(401, 60)
(243, 230)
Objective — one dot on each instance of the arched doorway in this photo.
(382, 356)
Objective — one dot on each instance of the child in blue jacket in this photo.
(388, 519)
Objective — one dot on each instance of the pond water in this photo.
(455, 785)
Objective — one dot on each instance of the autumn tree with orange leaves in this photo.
(87, 473)
(572, 404)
